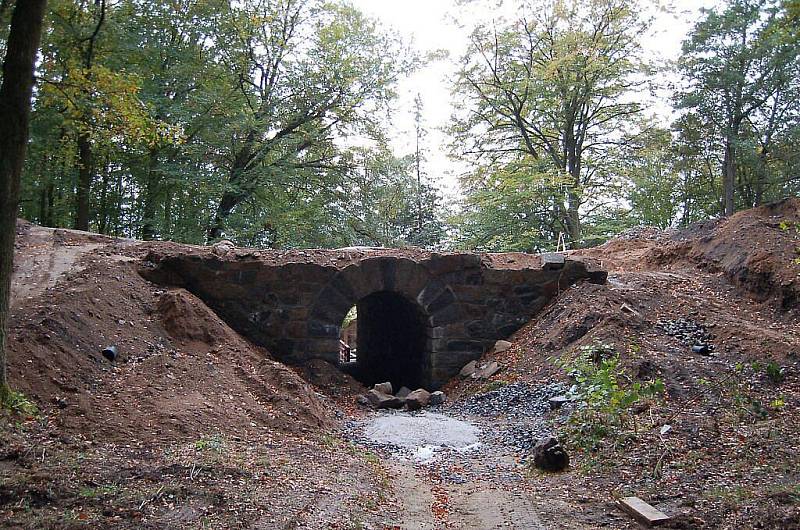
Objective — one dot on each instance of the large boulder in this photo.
(384, 388)
(548, 455)
(379, 400)
(418, 399)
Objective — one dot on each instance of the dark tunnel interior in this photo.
(391, 341)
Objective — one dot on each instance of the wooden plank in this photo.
(643, 512)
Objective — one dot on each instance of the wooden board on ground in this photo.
(643, 512)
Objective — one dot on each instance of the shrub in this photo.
(606, 395)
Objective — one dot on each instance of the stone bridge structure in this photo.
(421, 315)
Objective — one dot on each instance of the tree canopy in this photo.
(268, 122)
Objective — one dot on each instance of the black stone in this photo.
(548, 455)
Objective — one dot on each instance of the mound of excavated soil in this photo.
(729, 418)
(755, 249)
(187, 319)
(329, 379)
(181, 371)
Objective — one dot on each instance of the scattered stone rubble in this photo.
(380, 397)
(515, 400)
(484, 371)
(689, 332)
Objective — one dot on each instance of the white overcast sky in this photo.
(428, 25)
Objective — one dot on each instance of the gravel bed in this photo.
(688, 331)
(507, 423)
(513, 401)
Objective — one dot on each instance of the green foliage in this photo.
(493, 385)
(775, 372)
(739, 388)
(96, 492)
(741, 64)
(606, 395)
(237, 116)
(17, 403)
(215, 443)
(540, 159)
(351, 315)
(265, 122)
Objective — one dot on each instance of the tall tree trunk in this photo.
(573, 160)
(150, 197)
(50, 219)
(42, 204)
(235, 194)
(15, 109)
(103, 221)
(761, 176)
(573, 218)
(168, 194)
(729, 178)
(85, 157)
(84, 183)
(118, 206)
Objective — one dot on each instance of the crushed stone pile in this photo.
(514, 401)
(688, 331)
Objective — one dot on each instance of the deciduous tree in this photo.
(15, 104)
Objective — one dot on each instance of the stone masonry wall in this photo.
(293, 303)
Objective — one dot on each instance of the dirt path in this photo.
(473, 506)
(493, 508)
(44, 261)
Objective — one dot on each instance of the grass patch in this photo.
(98, 491)
(213, 443)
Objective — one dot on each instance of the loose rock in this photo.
(418, 399)
(438, 398)
(469, 369)
(548, 455)
(380, 400)
(557, 402)
(486, 371)
(223, 248)
(385, 388)
(501, 346)
(690, 333)
(403, 392)
(517, 400)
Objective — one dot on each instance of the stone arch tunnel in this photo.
(422, 315)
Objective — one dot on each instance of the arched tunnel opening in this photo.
(385, 339)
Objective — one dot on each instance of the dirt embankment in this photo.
(190, 426)
(726, 460)
(756, 250)
(180, 370)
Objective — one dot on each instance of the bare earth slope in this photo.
(730, 457)
(189, 426)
